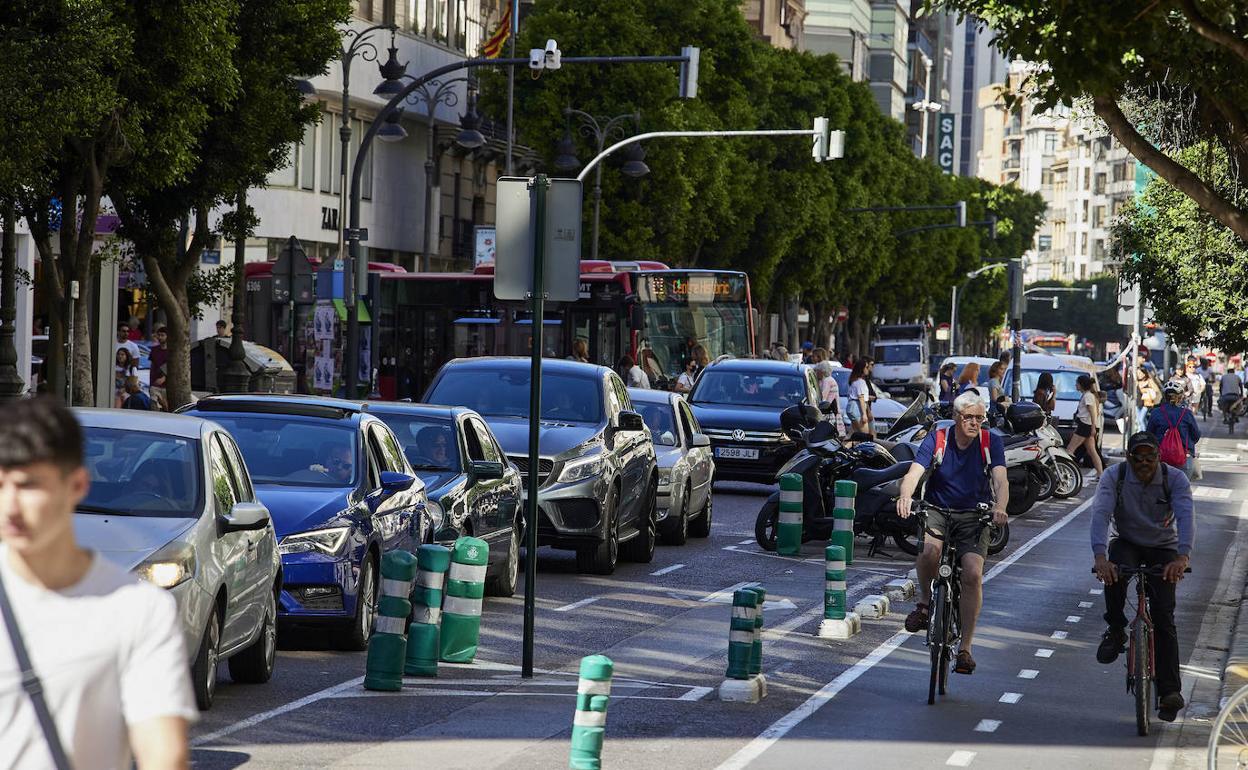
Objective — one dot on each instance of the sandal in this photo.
(965, 664)
(918, 619)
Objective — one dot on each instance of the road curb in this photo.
(1235, 670)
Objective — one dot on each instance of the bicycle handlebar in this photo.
(920, 509)
(1132, 571)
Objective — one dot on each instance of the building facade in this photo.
(843, 28)
(778, 22)
(888, 66)
(929, 75)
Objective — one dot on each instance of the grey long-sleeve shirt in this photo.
(1146, 519)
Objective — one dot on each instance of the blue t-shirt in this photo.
(960, 482)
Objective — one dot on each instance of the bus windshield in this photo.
(684, 310)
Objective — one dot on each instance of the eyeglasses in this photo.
(1143, 457)
(976, 418)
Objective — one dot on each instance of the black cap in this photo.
(1142, 438)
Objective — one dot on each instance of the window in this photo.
(418, 15)
(329, 152)
(222, 485)
(473, 442)
(242, 483)
(307, 158)
(1045, 243)
(1099, 187)
(660, 421)
(688, 421)
(286, 174)
(1087, 178)
(1050, 142)
(621, 392)
(391, 455)
(1098, 216)
(489, 450)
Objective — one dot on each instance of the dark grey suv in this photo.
(597, 467)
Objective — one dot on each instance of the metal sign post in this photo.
(538, 296)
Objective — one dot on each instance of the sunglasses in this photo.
(1143, 457)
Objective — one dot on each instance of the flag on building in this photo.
(493, 47)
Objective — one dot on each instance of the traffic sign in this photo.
(292, 275)
(516, 220)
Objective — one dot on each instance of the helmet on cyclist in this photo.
(1172, 388)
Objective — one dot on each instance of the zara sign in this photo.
(944, 141)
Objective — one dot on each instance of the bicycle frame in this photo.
(1143, 620)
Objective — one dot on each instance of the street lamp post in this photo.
(953, 306)
(600, 129)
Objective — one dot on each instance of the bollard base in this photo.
(913, 575)
(750, 690)
(872, 607)
(899, 590)
(844, 628)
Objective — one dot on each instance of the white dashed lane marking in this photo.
(1073, 618)
(1059, 635)
(666, 570)
(960, 759)
(1010, 697)
(1043, 653)
(1097, 591)
(1085, 605)
(987, 725)
(577, 605)
(1028, 673)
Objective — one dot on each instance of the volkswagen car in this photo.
(597, 474)
(685, 464)
(341, 493)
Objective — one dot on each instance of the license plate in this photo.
(736, 453)
(897, 389)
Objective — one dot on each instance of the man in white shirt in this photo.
(106, 646)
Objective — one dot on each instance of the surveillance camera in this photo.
(553, 55)
(537, 59)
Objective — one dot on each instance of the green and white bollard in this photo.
(386, 647)
(789, 521)
(589, 724)
(756, 652)
(843, 517)
(739, 685)
(432, 562)
(461, 609)
(838, 622)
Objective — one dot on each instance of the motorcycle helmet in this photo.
(1172, 388)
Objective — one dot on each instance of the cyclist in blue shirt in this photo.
(967, 465)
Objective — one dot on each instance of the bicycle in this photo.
(1141, 664)
(944, 627)
(1228, 744)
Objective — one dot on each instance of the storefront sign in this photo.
(944, 141)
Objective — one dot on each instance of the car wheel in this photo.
(356, 636)
(504, 583)
(701, 526)
(641, 548)
(601, 559)
(204, 669)
(254, 665)
(678, 534)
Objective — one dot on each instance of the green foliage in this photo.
(1194, 271)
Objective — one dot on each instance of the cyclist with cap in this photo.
(1142, 514)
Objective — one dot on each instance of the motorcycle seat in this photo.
(866, 478)
(1022, 438)
(903, 452)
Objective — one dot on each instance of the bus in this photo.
(1049, 342)
(419, 321)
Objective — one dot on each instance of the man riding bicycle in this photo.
(967, 465)
(1150, 507)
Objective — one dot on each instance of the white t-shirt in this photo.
(637, 378)
(110, 655)
(858, 390)
(685, 381)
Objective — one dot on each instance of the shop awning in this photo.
(361, 311)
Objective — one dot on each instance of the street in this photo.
(1037, 699)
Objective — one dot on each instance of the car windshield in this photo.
(896, 354)
(289, 451)
(748, 389)
(660, 420)
(134, 473)
(1063, 382)
(842, 380)
(428, 442)
(981, 378)
(505, 393)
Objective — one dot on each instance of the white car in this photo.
(886, 409)
(686, 468)
(172, 501)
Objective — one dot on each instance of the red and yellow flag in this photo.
(493, 47)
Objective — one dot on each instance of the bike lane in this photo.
(1038, 698)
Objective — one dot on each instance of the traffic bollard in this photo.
(838, 622)
(739, 685)
(589, 724)
(843, 517)
(756, 652)
(432, 562)
(383, 670)
(461, 609)
(789, 522)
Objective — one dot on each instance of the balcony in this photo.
(1011, 164)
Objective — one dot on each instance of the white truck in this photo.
(901, 359)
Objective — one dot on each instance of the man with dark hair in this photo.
(106, 646)
(159, 358)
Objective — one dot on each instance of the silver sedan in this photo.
(686, 467)
(171, 500)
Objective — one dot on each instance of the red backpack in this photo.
(1172, 450)
(938, 456)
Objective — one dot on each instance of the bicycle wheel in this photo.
(1228, 742)
(936, 638)
(1142, 677)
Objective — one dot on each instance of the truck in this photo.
(901, 359)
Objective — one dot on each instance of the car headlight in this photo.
(436, 514)
(665, 476)
(328, 540)
(170, 566)
(583, 468)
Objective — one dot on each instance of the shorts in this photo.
(963, 528)
(1082, 428)
(853, 410)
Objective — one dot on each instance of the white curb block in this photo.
(899, 590)
(872, 607)
(840, 629)
(750, 690)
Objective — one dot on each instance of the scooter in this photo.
(1067, 476)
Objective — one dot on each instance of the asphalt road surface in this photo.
(1037, 699)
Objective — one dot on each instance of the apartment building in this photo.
(843, 28)
(888, 65)
(779, 22)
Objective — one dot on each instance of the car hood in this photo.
(127, 540)
(553, 439)
(743, 417)
(668, 456)
(298, 509)
(435, 480)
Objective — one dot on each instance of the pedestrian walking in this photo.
(159, 358)
(1087, 418)
(1045, 393)
(111, 681)
(944, 377)
(631, 373)
(857, 405)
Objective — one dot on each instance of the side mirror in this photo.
(630, 421)
(826, 407)
(445, 535)
(392, 482)
(244, 517)
(485, 470)
(700, 440)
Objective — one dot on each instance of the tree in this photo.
(1163, 76)
(1077, 313)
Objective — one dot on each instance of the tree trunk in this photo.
(168, 278)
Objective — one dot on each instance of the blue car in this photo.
(341, 493)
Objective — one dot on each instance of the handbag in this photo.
(31, 684)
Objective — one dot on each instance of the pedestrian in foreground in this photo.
(106, 647)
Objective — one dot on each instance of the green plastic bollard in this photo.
(432, 562)
(589, 724)
(789, 523)
(741, 634)
(843, 517)
(834, 583)
(756, 648)
(461, 609)
(383, 669)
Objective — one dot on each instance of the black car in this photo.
(472, 488)
(596, 465)
(738, 403)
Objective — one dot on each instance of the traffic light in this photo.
(819, 149)
(1092, 292)
(961, 208)
(689, 72)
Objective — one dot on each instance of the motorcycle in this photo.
(1067, 477)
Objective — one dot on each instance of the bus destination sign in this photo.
(693, 288)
